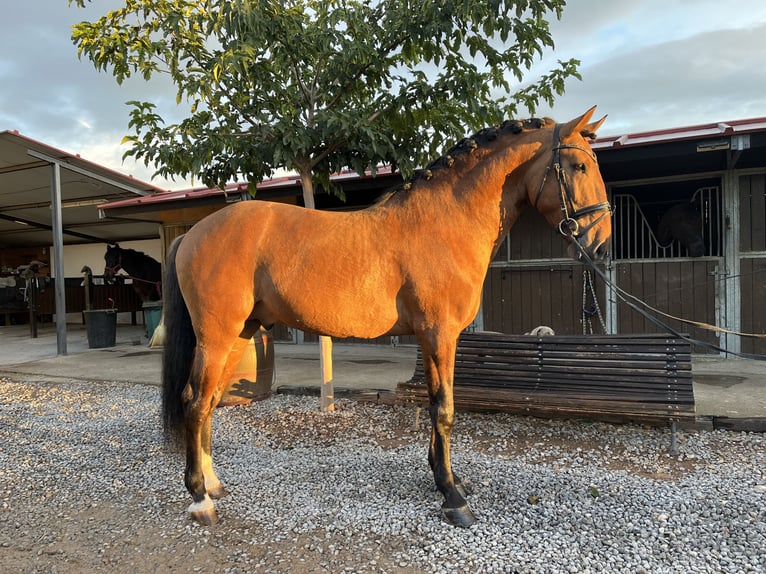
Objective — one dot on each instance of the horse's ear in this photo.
(589, 131)
(580, 125)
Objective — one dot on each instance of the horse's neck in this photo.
(487, 198)
(134, 264)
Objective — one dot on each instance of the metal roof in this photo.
(25, 196)
(713, 130)
(686, 159)
(289, 185)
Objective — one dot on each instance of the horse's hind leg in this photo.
(213, 486)
(213, 364)
(438, 363)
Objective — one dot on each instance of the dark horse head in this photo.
(145, 271)
(683, 222)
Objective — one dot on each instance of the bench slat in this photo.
(643, 377)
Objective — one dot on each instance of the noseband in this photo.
(116, 267)
(569, 226)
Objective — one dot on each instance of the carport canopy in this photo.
(48, 197)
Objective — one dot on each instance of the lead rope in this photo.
(636, 304)
(589, 311)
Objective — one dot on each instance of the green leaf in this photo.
(333, 84)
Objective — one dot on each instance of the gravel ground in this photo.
(86, 485)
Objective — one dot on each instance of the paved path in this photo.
(733, 388)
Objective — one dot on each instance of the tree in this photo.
(316, 86)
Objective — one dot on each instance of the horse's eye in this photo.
(579, 167)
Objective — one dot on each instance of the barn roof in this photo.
(26, 217)
(671, 151)
(704, 131)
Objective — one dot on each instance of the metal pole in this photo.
(58, 259)
(731, 290)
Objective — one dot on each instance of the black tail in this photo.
(178, 350)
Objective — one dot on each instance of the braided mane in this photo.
(462, 149)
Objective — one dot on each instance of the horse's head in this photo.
(565, 186)
(112, 262)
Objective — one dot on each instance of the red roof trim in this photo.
(683, 133)
(284, 182)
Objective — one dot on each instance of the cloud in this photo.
(52, 96)
(707, 77)
(651, 64)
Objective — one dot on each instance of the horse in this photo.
(413, 262)
(683, 222)
(144, 270)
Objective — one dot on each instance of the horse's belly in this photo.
(337, 316)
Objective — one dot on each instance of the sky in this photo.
(647, 64)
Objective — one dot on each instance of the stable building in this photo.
(48, 200)
(709, 177)
(689, 238)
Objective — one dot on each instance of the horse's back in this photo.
(319, 271)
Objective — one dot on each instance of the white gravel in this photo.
(86, 485)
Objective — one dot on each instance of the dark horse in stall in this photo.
(145, 271)
(683, 222)
(413, 263)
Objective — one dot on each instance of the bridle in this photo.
(113, 270)
(569, 226)
(117, 266)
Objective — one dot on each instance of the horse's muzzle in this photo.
(580, 250)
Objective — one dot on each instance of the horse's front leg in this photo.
(439, 370)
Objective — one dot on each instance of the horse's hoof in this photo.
(205, 518)
(204, 512)
(461, 516)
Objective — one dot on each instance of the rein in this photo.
(569, 226)
(629, 299)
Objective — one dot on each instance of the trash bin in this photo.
(255, 374)
(152, 316)
(101, 327)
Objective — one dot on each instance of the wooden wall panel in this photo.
(682, 288)
(521, 298)
(532, 238)
(752, 197)
(753, 304)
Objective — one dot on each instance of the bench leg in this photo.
(674, 438)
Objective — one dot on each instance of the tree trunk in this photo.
(327, 392)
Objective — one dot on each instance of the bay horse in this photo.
(412, 263)
(144, 270)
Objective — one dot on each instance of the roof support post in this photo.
(58, 259)
(732, 283)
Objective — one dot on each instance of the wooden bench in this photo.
(615, 378)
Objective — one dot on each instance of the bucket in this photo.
(101, 328)
(254, 376)
(152, 316)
